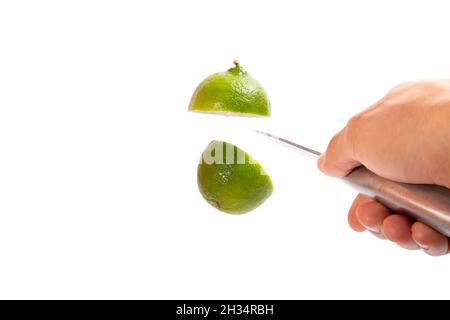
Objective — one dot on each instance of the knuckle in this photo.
(351, 132)
(403, 86)
(354, 122)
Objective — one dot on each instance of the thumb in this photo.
(338, 160)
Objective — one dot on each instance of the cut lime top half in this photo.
(232, 93)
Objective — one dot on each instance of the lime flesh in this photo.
(230, 180)
(233, 92)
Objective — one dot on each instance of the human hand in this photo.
(404, 137)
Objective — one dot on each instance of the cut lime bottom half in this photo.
(230, 180)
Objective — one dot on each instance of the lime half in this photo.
(230, 180)
(233, 92)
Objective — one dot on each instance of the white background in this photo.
(98, 154)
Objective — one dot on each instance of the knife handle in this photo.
(429, 204)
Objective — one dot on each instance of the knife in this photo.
(426, 203)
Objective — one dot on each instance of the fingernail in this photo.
(409, 246)
(378, 235)
(422, 246)
(372, 229)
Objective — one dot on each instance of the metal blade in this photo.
(310, 153)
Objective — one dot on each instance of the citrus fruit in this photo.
(233, 92)
(230, 180)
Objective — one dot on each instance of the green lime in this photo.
(233, 92)
(230, 180)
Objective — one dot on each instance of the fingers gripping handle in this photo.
(429, 204)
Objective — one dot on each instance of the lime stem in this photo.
(236, 62)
